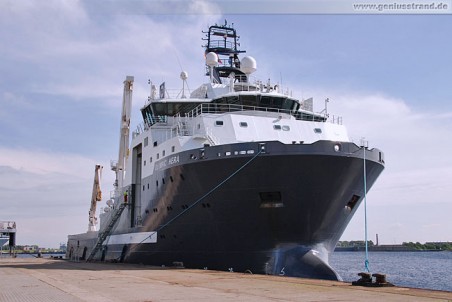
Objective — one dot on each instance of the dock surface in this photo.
(28, 279)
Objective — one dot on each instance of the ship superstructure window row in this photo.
(160, 112)
(257, 100)
(283, 127)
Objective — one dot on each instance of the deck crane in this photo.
(118, 167)
(96, 197)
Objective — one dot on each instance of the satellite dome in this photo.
(183, 75)
(211, 59)
(248, 65)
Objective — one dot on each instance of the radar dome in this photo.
(248, 65)
(183, 75)
(211, 59)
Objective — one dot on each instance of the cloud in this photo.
(41, 187)
(58, 56)
(415, 185)
(59, 48)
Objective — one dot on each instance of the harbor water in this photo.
(428, 270)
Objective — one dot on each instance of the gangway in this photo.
(104, 234)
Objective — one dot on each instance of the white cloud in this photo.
(47, 193)
(416, 180)
(64, 50)
(43, 162)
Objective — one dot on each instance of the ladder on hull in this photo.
(103, 235)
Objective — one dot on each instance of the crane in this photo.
(118, 167)
(95, 197)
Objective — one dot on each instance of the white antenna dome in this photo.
(248, 65)
(211, 59)
(184, 75)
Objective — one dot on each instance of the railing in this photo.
(180, 128)
(224, 108)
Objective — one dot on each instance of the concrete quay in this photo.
(35, 280)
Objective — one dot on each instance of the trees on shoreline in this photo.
(428, 246)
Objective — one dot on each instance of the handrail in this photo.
(223, 108)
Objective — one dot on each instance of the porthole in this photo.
(243, 124)
(317, 130)
(277, 127)
(218, 123)
(285, 128)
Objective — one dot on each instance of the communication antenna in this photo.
(184, 77)
(248, 66)
(153, 91)
(211, 61)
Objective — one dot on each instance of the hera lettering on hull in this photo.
(167, 162)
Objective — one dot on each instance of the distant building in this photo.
(63, 247)
(30, 248)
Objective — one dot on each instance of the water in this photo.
(430, 270)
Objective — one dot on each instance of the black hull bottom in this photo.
(282, 214)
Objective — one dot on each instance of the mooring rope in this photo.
(366, 261)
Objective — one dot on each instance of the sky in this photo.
(63, 63)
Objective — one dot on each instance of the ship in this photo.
(236, 175)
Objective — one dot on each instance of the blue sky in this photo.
(62, 64)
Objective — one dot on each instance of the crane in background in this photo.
(95, 198)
